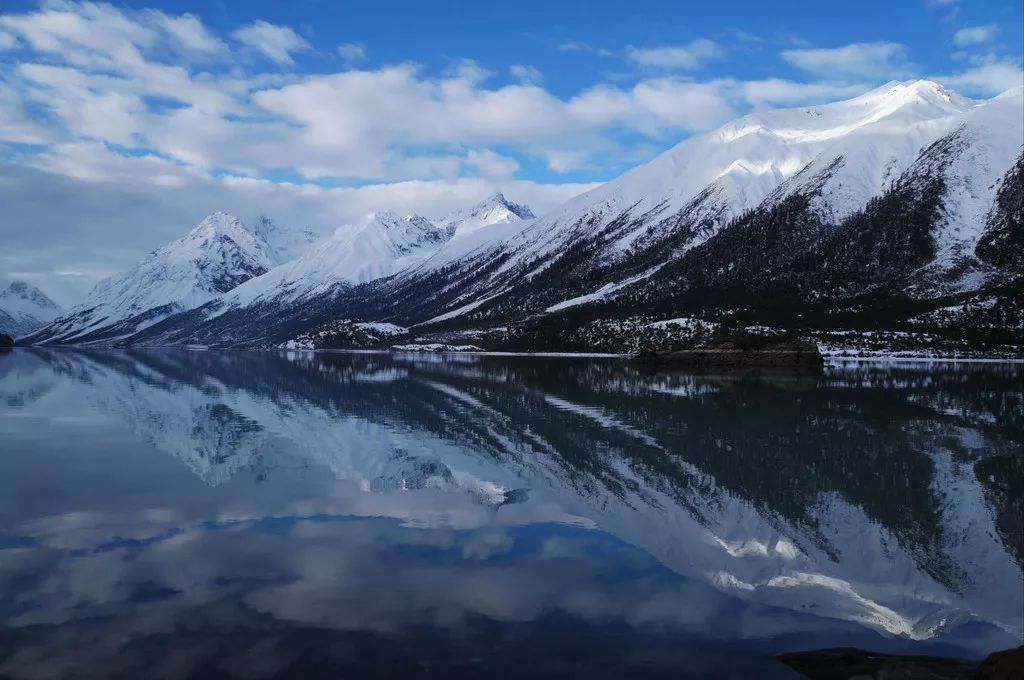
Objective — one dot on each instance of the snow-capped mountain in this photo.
(213, 258)
(494, 209)
(24, 309)
(905, 193)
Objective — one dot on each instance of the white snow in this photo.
(382, 327)
(994, 134)
(603, 292)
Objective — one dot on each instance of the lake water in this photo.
(203, 514)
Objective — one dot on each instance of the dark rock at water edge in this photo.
(846, 663)
(6, 341)
(740, 350)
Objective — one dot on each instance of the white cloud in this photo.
(683, 57)
(974, 35)
(352, 51)
(989, 76)
(189, 33)
(489, 164)
(275, 42)
(654, 106)
(778, 92)
(883, 60)
(525, 74)
(580, 46)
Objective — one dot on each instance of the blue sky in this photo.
(116, 115)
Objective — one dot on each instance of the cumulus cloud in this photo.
(683, 57)
(275, 42)
(778, 92)
(987, 76)
(490, 164)
(857, 60)
(974, 35)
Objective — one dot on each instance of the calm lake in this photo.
(175, 514)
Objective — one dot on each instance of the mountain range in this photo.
(899, 212)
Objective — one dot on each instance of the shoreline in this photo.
(830, 358)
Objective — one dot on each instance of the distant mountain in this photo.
(215, 257)
(24, 309)
(899, 210)
(285, 244)
(495, 209)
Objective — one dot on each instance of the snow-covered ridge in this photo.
(384, 245)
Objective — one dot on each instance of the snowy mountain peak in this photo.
(20, 290)
(24, 308)
(214, 257)
(217, 222)
(216, 228)
(495, 209)
(915, 90)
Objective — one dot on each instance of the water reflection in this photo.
(475, 507)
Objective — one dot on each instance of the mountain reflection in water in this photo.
(205, 514)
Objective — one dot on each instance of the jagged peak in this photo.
(218, 222)
(26, 291)
(494, 209)
(498, 199)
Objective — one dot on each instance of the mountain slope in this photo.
(215, 257)
(24, 309)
